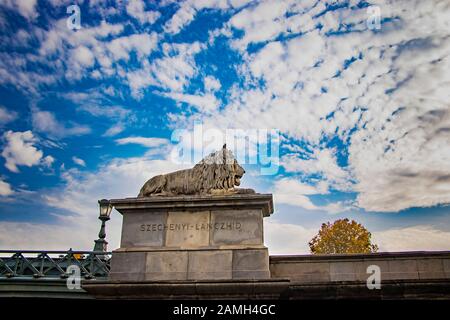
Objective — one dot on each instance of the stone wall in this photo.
(353, 267)
(404, 275)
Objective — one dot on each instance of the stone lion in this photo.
(217, 173)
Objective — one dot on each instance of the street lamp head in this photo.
(105, 208)
(105, 211)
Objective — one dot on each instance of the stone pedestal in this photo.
(192, 238)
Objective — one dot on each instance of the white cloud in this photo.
(323, 162)
(6, 115)
(5, 189)
(139, 79)
(295, 193)
(117, 179)
(136, 9)
(114, 130)
(173, 71)
(26, 8)
(97, 103)
(211, 84)
(59, 37)
(415, 238)
(266, 20)
(188, 10)
(79, 161)
(19, 150)
(12, 73)
(285, 238)
(48, 161)
(103, 108)
(96, 53)
(181, 18)
(143, 44)
(45, 121)
(84, 56)
(389, 107)
(144, 141)
(94, 47)
(62, 54)
(36, 236)
(338, 207)
(260, 22)
(80, 50)
(204, 103)
(62, 236)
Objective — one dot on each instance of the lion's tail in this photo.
(141, 192)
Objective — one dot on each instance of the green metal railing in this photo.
(32, 264)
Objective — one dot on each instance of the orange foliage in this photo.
(342, 236)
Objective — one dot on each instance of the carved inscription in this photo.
(155, 227)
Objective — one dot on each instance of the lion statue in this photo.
(216, 174)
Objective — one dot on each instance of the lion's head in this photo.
(238, 173)
(220, 170)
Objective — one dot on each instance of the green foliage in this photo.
(342, 236)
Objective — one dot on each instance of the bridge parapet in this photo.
(39, 265)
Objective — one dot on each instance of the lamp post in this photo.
(105, 211)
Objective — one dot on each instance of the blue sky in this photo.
(361, 108)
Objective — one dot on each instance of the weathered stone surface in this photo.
(141, 229)
(188, 229)
(236, 227)
(250, 264)
(267, 289)
(192, 229)
(259, 201)
(210, 264)
(129, 266)
(193, 237)
(446, 263)
(384, 269)
(401, 269)
(335, 268)
(224, 290)
(313, 272)
(431, 269)
(166, 265)
(342, 271)
(360, 267)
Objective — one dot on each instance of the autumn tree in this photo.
(342, 236)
